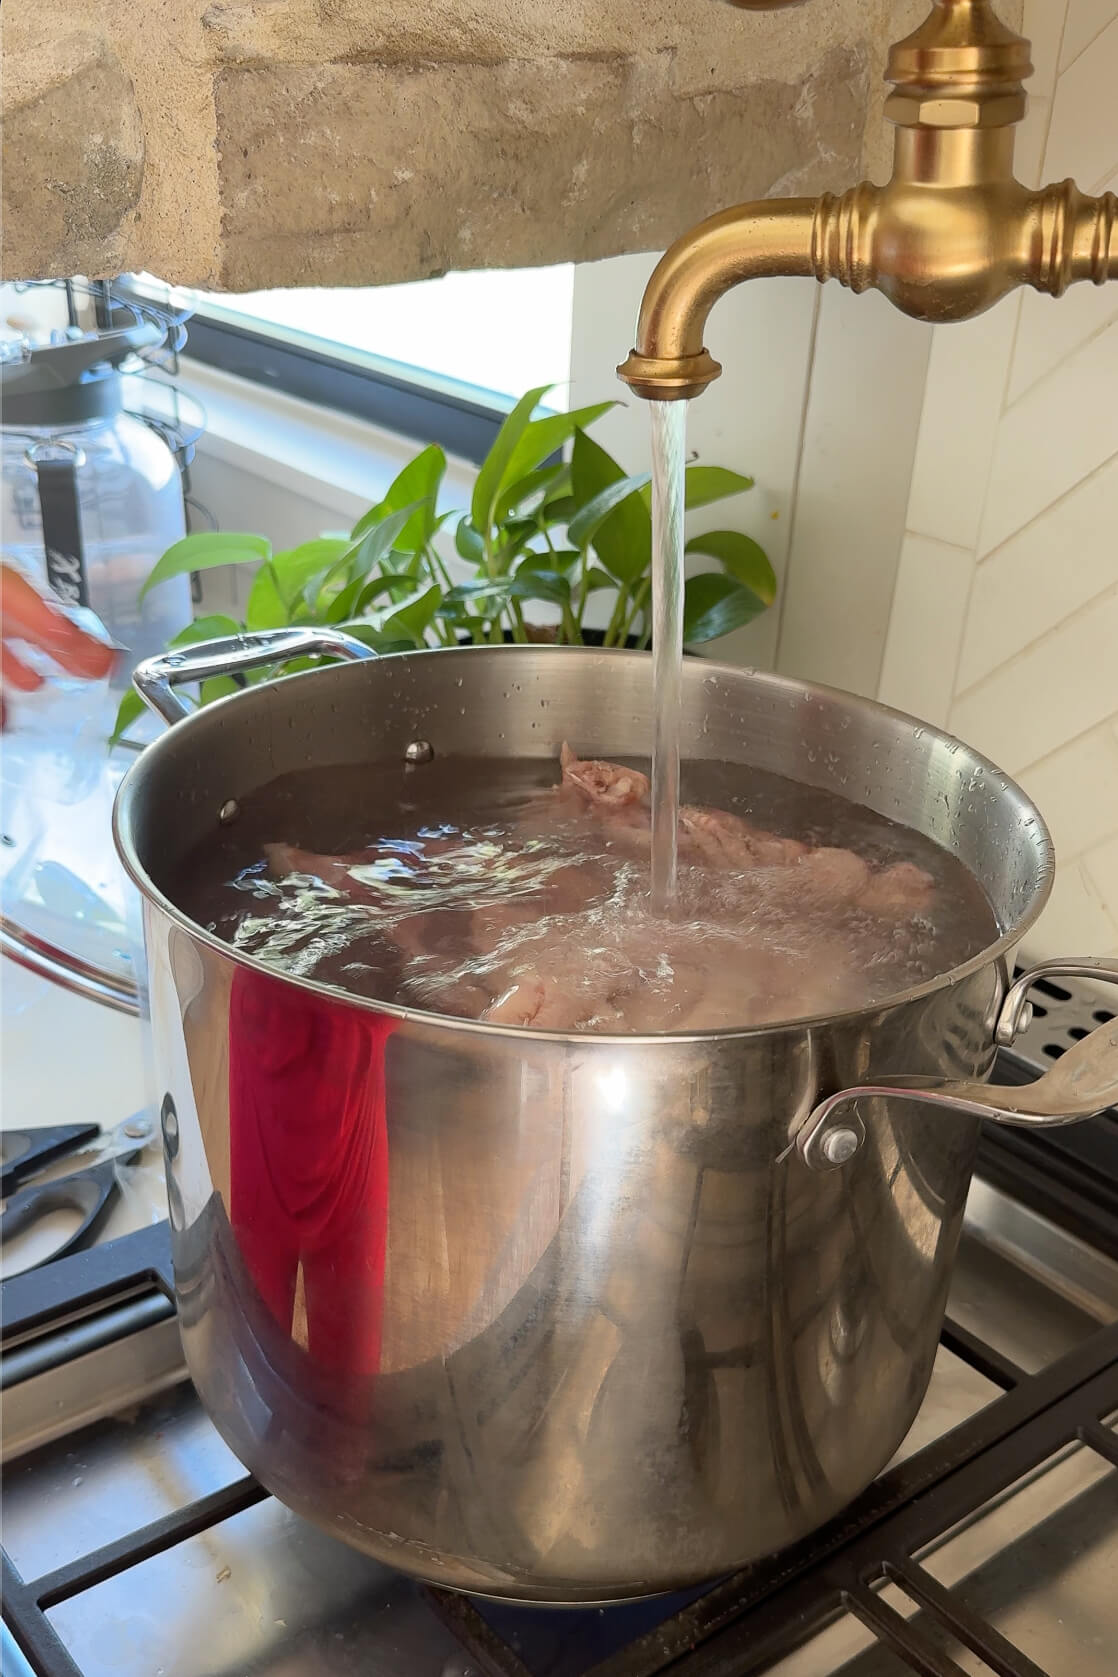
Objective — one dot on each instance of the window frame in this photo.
(424, 409)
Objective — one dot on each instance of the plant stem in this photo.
(640, 603)
(616, 620)
(439, 574)
(583, 592)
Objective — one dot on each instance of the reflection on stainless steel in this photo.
(521, 1323)
(546, 1317)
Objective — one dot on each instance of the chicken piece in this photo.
(518, 1005)
(831, 875)
(542, 1003)
(606, 784)
(716, 838)
(710, 837)
(902, 888)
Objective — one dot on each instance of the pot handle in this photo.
(1080, 1084)
(156, 678)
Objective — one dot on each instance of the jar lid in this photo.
(72, 382)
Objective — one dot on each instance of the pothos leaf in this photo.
(586, 523)
(494, 474)
(130, 709)
(623, 540)
(740, 557)
(715, 605)
(204, 551)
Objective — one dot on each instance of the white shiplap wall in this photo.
(1004, 623)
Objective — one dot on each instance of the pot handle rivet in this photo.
(839, 1145)
(825, 1145)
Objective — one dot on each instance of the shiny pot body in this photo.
(560, 1318)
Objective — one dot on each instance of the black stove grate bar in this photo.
(1101, 1440)
(972, 1631)
(27, 1603)
(462, 1618)
(135, 1547)
(42, 1298)
(983, 1358)
(34, 1635)
(893, 1630)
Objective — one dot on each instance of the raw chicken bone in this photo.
(715, 838)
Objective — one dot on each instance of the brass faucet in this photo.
(950, 234)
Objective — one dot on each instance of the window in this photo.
(437, 360)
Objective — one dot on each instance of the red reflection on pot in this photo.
(308, 1162)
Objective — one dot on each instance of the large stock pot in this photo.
(566, 1318)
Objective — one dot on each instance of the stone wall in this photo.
(248, 143)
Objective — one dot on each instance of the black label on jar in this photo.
(62, 531)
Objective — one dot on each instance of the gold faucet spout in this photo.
(751, 241)
(947, 237)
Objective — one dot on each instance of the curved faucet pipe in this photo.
(751, 241)
(950, 234)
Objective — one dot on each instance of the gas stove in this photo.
(135, 1543)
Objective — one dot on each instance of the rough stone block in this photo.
(251, 143)
(73, 155)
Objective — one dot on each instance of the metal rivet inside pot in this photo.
(229, 811)
(840, 1145)
(418, 751)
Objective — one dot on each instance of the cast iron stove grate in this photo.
(742, 1624)
(738, 1626)
(733, 1629)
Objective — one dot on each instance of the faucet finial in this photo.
(962, 68)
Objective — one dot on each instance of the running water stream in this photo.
(669, 429)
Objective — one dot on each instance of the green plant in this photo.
(538, 529)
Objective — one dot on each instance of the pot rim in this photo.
(1000, 950)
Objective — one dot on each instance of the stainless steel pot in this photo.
(567, 1318)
